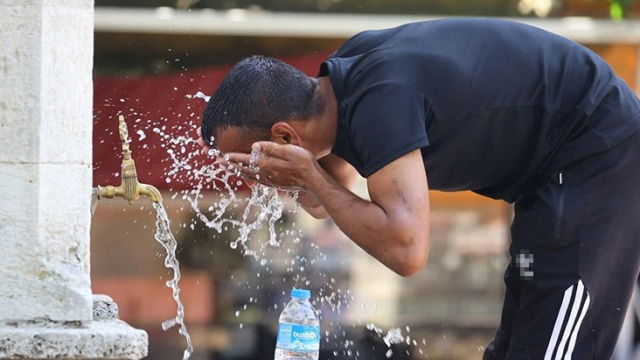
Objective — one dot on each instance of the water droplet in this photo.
(141, 135)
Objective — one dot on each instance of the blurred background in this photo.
(151, 59)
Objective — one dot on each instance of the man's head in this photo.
(263, 99)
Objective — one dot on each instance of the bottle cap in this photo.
(301, 294)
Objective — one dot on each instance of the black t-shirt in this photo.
(495, 106)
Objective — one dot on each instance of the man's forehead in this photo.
(231, 140)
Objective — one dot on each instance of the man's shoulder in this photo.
(367, 41)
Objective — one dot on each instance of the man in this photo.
(502, 109)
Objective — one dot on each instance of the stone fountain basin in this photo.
(106, 337)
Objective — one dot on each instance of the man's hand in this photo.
(286, 167)
(205, 147)
(282, 166)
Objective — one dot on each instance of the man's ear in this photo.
(283, 133)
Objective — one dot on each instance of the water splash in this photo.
(264, 205)
(255, 155)
(198, 95)
(373, 327)
(141, 135)
(394, 336)
(169, 243)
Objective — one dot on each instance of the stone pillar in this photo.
(45, 161)
(46, 305)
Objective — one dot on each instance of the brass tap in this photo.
(130, 189)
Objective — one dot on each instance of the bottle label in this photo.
(298, 337)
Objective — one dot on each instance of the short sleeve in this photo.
(387, 122)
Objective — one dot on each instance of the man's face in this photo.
(231, 140)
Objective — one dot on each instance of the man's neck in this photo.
(328, 124)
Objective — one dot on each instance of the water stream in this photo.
(169, 243)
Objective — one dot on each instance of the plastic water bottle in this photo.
(298, 329)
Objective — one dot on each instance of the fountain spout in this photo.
(130, 189)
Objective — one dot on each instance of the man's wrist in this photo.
(316, 180)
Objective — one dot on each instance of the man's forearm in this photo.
(392, 227)
(365, 223)
(344, 174)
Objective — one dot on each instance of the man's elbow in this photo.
(410, 268)
(416, 256)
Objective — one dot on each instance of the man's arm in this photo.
(394, 226)
(341, 171)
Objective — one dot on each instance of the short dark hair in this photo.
(258, 92)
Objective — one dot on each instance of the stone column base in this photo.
(106, 337)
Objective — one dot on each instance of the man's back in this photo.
(504, 104)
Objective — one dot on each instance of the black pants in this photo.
(575, 256)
